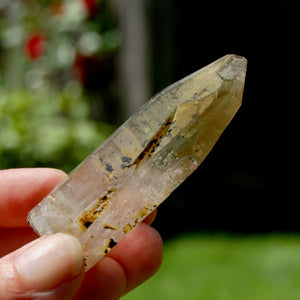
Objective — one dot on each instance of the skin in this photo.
(136, 258)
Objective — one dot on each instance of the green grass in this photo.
(220, 267)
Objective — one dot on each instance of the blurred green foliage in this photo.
(50, 51)
(47, 43)
(217, 267)
(47, 129)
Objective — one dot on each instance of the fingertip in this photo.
(49, 261)
(140, 254)
(136, 258)
(47, 267)
(22, 189)
(105, 280)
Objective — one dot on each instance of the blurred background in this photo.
(71, 71)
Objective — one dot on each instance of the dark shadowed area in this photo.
(249, 181)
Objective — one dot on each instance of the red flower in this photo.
(79, 69)
(35, 46)
(91, 6)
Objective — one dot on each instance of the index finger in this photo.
(21, 190)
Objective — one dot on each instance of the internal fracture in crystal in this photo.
(139, 165)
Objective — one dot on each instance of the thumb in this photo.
(50, 267)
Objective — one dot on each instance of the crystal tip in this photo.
(235, 66)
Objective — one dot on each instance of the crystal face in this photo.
(140, 164)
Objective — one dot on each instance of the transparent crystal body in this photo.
(140, 164)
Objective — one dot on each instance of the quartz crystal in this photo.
(141, 163)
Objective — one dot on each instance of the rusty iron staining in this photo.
(88, 217)
(106, 226)
(150, 148)
(128, 227)
(110, 245)
(107, 196)
(140, 215)
(143, 212)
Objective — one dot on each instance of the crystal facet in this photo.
(136, 168)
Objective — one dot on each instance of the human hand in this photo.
(51, 267)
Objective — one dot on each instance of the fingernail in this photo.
(49, 261)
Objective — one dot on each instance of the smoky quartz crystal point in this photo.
(141, 163)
